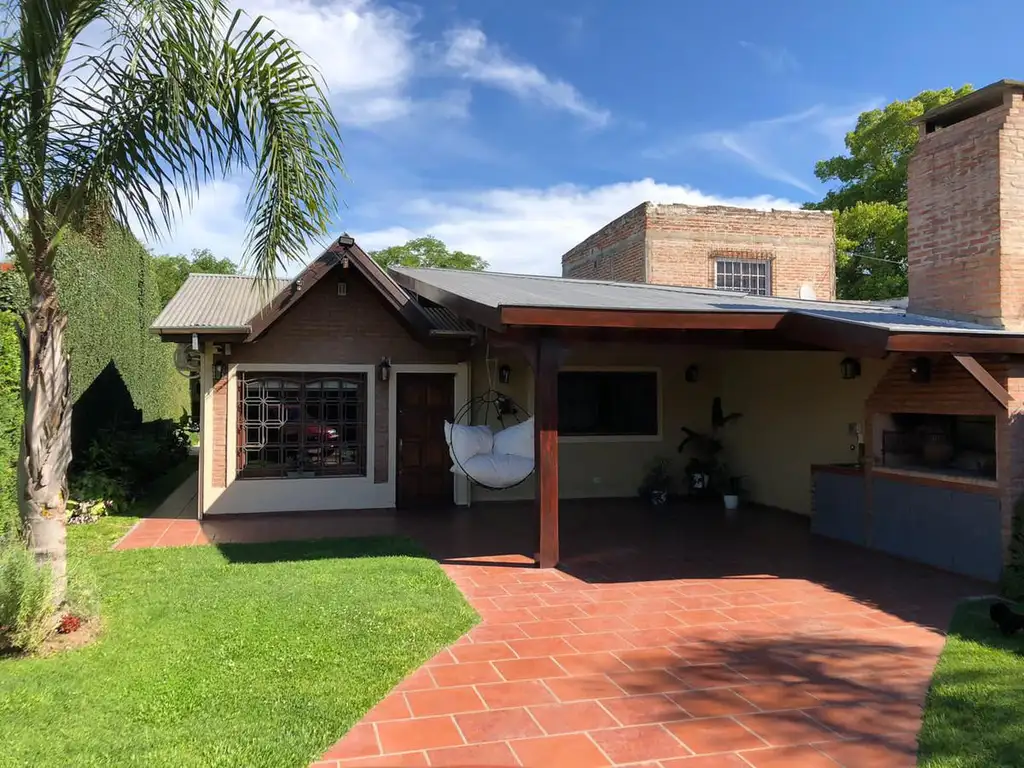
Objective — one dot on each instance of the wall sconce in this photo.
(921, 370)
(218, 371)
(849, 368)
(504, 374)
(384, 368)
(692, 373)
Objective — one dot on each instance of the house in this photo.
(895, 425)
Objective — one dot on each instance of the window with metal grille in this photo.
(744, 275)
(301, 424)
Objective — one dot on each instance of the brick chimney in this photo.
(966, 209)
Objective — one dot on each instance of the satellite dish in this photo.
(187, 360)
(807, 292)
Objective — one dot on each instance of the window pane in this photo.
(608, 403)
(293, 425)
(749, 276)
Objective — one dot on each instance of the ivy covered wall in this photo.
(10, 421)
(107, 286)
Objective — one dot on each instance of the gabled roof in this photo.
(233, 304)
(499, 300)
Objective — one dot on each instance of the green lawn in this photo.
(248, 655)
(974, 717)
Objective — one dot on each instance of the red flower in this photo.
(69, 624)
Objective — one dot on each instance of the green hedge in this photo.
(108, 288)
(10, 422)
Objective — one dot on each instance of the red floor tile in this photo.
(789, 757)
(421, 733)
(771, 697)
(600, 641)
(470, 673)
(641, 710)
(720, 734)
(572, 751)
(591, 663)
(572, 717)
(710, 676)
(540, 646)
(528, 669)
(518, 694)
(405, 760)
(482, 652)
(444, 701)
(648, 681)
(782, 729)
(712, 702)
(635, 744)
(497, 754)
(498, 725)
(393, 707)
(584, 687)
(709, 761)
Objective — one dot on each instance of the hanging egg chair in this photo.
(492, 460)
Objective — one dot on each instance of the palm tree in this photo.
(128, 107)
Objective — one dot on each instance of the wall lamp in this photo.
(505, 374)
(849, 368)
(384, 368)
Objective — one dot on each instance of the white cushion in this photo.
(516, 440)
(465, 442)
(498, 470)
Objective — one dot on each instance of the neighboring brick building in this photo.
(779, 253)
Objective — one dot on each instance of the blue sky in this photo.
(515, 129)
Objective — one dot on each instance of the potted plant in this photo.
(657, 483)
(704, 467)
(732, 489)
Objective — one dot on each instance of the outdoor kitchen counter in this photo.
(948, 521)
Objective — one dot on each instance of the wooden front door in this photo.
(425, 402)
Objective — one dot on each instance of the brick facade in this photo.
(966, 218)
(322, 327)
(680, 244)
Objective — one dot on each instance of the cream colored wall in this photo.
(602, 468)
(796, 412)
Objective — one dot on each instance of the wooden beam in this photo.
(828, 333)
(956, 343)
(546, 447)
(983, 377)
(630, 318)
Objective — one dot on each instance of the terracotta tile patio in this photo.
(675, 642)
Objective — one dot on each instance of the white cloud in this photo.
(364, 51)
(772, 147)
(474, 57)
(526, 230)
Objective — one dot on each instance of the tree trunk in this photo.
(46, 449)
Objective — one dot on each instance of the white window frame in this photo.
(753, 264)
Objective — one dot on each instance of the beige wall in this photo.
(796, 412)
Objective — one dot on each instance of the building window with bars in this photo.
(745, 275)
(302, 425)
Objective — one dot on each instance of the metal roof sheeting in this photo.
(214, 302)
(496, 290)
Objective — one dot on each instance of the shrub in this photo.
(94, 494)
(26, 598)
(1013, 574)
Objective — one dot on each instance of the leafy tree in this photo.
(427, 252)
(171, 271)
(870, 200)
(113, 112)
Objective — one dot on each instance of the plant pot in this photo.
(658, 498)
(731, 501)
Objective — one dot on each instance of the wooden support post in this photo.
(546, 447)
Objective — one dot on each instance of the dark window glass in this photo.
(608, 403)
(301, 425)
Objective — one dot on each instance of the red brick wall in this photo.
(615, 252)
(322, 327)
(952, 390)
(966, 233)
(219, 431)
(679, 244)
(685, 241)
